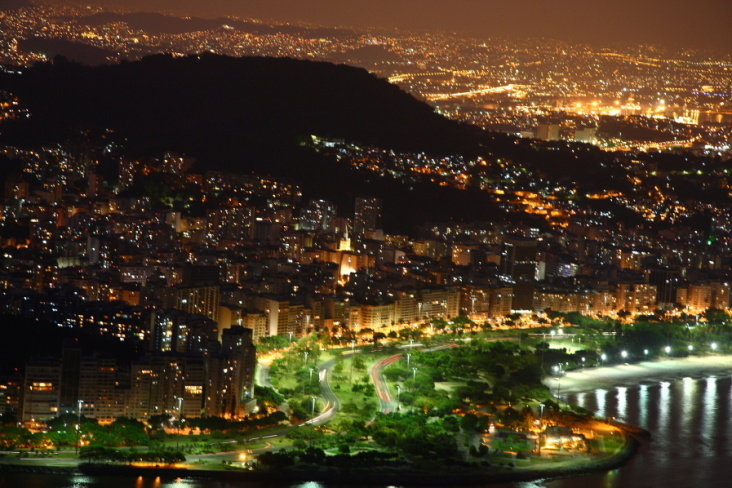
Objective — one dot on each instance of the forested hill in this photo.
(227, 110)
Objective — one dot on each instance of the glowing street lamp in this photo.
(409, 356)
(541, 417)
(414, 374)
(78, 425)
(691, 347)
(624, 354)
(180, 417)
(713, 345)
(645, 352)
(399, 391)
(667, 349)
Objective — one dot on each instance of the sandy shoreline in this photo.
(629, 375)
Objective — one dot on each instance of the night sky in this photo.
(679, 23)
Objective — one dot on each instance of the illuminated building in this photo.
(367, 217)
(587, 135)
(181, 332)
(200, 300)
(229, 389)
(41, 390)
(666, 281)
(547, 132)
(635, 297)
(519, 265)
(317, 215)
(99, 388)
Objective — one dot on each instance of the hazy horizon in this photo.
(674, 23)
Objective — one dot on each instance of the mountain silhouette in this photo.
(225, 109)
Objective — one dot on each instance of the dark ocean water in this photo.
(690, 446)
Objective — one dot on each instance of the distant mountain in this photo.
(155, 23)
(224, 109)
(14, 4)
(250, 114)
(73, 51)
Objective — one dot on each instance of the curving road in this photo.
(388, 404)
(330, 400)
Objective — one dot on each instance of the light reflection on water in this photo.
(643, 404)
(622, 402)
(600, 406)
(691, 434)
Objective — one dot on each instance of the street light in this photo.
(399, 391)
(78, 425)
(691, 348)
(713, 345)
(180, 416)
(624, 354)
(414, 374)
(409, 356)
(667, 349)
(541, 417)
(311, 375)
(312, 409)
(306, 356)
(645, 352)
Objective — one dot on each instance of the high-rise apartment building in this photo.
(519, 265)
(367, 217)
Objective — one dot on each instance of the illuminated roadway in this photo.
(331, 404)
(388, 404)
(494, 89)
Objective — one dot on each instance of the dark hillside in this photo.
(227, 111)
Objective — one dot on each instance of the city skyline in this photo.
(223, 235)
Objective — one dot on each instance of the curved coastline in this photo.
(445, 477)
(461, 476)
(632, 374)
(664, 369)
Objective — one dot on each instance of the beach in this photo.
(654, 371)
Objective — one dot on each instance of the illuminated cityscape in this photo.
(580, 192)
